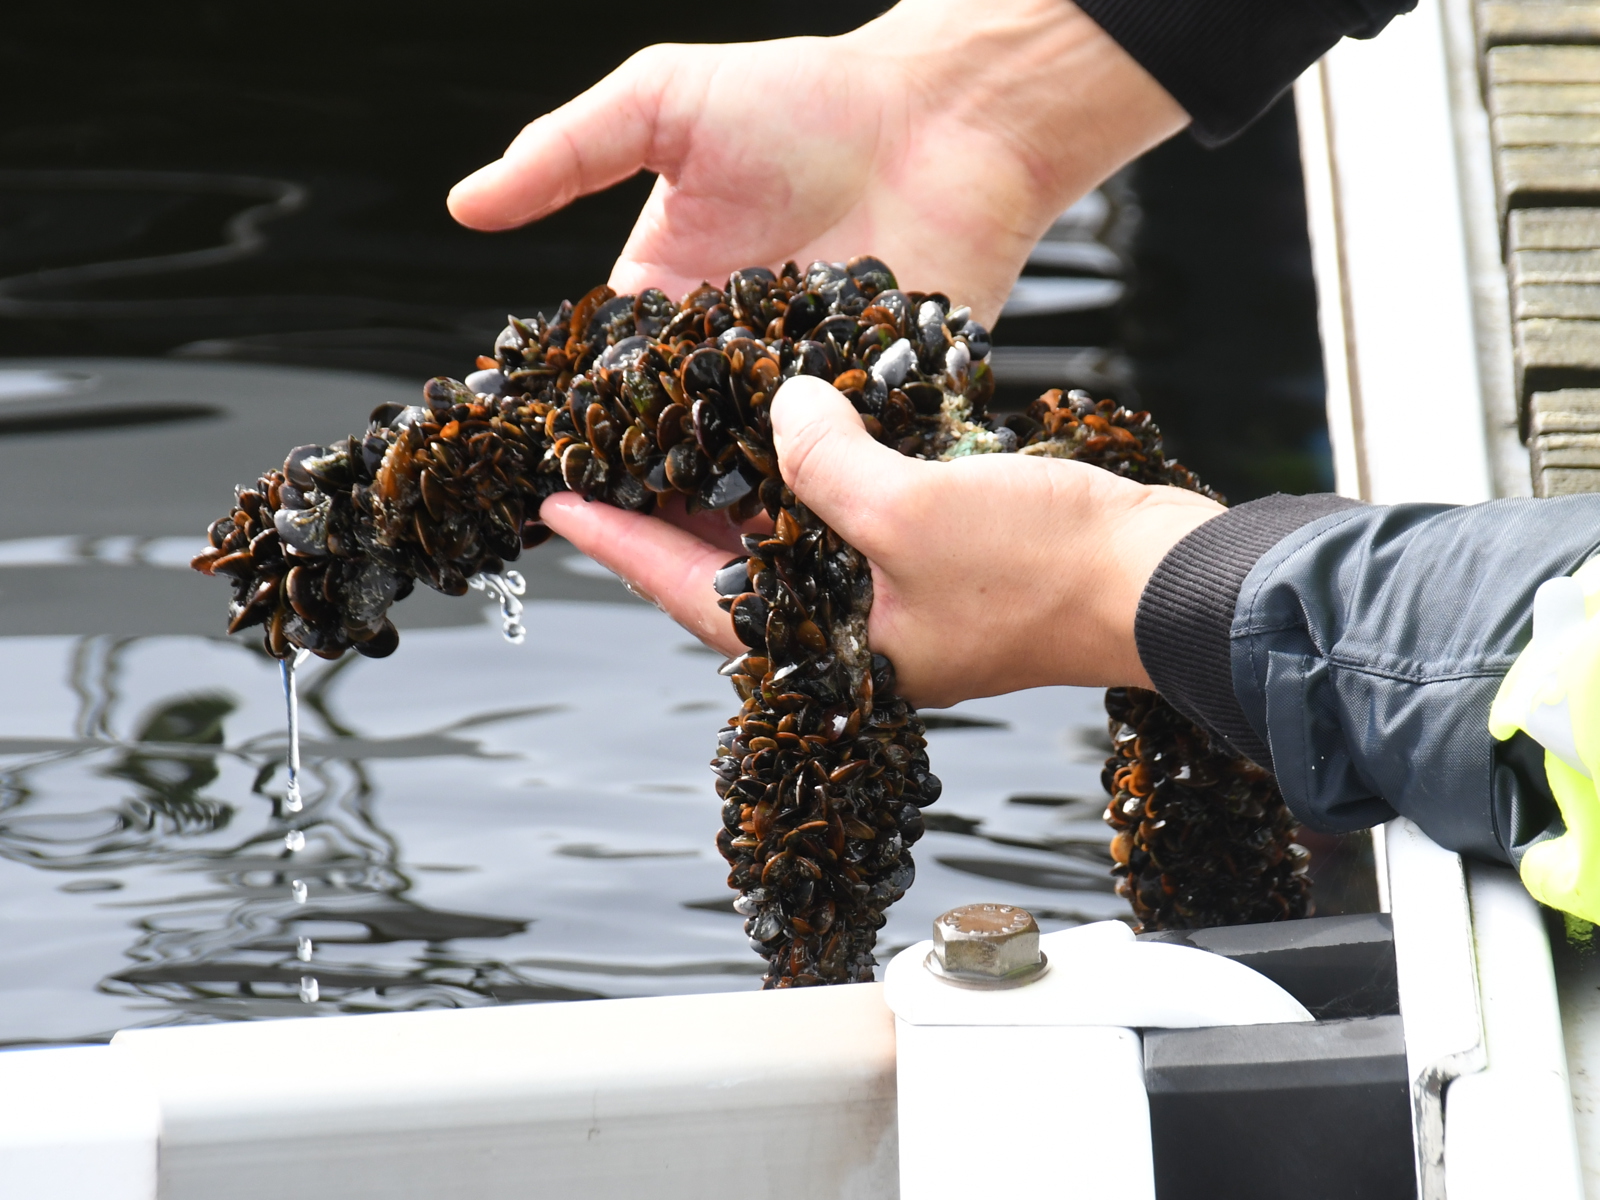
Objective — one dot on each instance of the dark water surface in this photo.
(222, 234)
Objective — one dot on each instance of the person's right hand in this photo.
(943, 137)
(991, 573)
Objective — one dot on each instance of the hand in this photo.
(991, 573)
(943, 137)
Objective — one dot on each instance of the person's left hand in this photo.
(942, 137)
(991, 573)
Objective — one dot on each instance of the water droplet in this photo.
(303, 950)
(308, 989)
(292, 801)
(298, 890)
(504, 590)
(294, 840)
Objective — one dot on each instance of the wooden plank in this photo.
(1535, 176)
(1543, 64)
(1572, 98)
(1569, 411)
(1571, 301)
(1565, 450)
(1546, 129)
(1553, 229)
(1529, 267)
(1576, 401)
(1512, 24)
(1551, 354)
(1565, 481)
(1564, 422)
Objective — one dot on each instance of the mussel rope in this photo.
(824, 771)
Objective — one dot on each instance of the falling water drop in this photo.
(308, 989)
(303, 950)
(292, 801)
(298, 890)
(294, 840)
(505, 589)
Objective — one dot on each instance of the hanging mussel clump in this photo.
(630, 399)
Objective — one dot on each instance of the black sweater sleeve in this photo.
(1226, 61)
(1364, 645)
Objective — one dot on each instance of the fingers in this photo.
(600, 138)
(833, 464)
(671, 566)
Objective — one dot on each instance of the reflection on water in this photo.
(483, 822)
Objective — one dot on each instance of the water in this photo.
(483, 823)
(295, 840)
(505, 589)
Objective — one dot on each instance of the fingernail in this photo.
(482, 177)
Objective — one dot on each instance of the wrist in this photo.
(1042, 75)
(1099, 646)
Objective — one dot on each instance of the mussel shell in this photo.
(871, 275)
(705, 371)
(732, 334)
(599, 428)
(802, 315)
(489, 382)
(381, 644)
(612, 322)
(623, 354)
(719, 319)
(655, 476)
(304, 529)
(685, 467)
(710, 425)
(294, 470)
(443, 393)
(897, 303)
(652, 310)
(749, 613)
(734, 578)
(841, 330)
(635, 450)
(815, 359)
(574, 463)
(630, 493)
(977, 339)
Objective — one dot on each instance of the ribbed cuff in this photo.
(1226, 61)
(1185, 618)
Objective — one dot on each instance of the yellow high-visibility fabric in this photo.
(1552, 693)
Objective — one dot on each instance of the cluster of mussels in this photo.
(629, 400)
(1202, 836)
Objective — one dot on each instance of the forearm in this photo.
(1364, 646)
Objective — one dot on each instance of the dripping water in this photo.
(295, 840)
(505, 589)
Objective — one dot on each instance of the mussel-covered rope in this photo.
(627, 399)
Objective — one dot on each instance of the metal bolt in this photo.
(986, 945)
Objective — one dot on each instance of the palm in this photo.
(945, 203)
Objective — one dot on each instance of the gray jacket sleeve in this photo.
(1365, 645)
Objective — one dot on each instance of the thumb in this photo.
(597, 139)
(832, 463)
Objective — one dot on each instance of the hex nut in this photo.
(987, 944)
